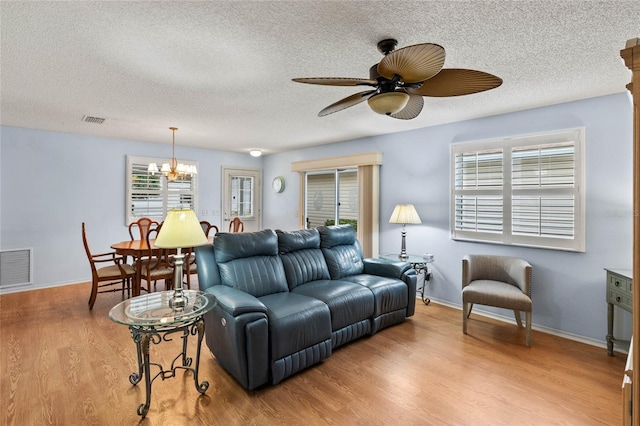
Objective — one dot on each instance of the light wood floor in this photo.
(63, 364)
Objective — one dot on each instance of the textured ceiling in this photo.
(221, 71)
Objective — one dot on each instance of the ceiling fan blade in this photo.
(347, 102)
(337, 81)
(412, 110)
(457, 82)
(413, 63)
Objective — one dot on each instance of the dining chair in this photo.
(500, 281)
(207, 227)
(115, 271)
(191, 267)
(144, 225)
(236, 225)
(157, 264)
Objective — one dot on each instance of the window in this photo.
(242, 196)
(526, 190)
(152, 195)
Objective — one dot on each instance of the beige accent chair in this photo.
(500, 281)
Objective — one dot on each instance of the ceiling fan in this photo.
(403, 77)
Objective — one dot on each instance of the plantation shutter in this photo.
(478, 191)
(527, 190)
(152, 195)
(543, 182)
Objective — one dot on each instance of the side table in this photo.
(619, 293)
(151, 320)
(420, 264)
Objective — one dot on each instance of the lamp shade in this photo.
(181, 228)
(405, 213)
(388, 103)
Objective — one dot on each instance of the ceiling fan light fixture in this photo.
(388, 103)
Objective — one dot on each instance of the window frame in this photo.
(164, 190)
(508, 192)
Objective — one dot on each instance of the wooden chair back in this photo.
(236, 225)
(207, 227)
(144, 225)
(115, 271)
(158, 263)
(190, 267)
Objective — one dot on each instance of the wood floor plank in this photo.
(65, 365)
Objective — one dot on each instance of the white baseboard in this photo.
(543, 329)
(29, 287)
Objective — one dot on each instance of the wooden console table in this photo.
(619, 293)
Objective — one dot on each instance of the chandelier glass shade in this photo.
(173, 170)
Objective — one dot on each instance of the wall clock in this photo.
(278, 184)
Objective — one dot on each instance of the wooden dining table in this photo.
(137, 249)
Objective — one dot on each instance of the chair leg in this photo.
(94, 293)
(518, 318)
(188, 282)
(470, 308)
(528, 319)
(465, 315)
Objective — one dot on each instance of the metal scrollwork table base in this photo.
(420, 264)
(151, 320)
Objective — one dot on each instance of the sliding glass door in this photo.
(331, 196)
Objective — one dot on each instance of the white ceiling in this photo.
(221, 71)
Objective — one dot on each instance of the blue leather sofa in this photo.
(285, 300)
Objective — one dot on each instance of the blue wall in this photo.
(51, 182)
(568, 288)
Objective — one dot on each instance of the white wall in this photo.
(568, 288)
(52, 182)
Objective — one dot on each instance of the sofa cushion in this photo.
(348, 302)
(341, 250)
(390, 294)
(337, 235)
(297, 240)
(296, 322)
(230, 246)
(250, 262)
(301, 257)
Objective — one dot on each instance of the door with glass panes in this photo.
(241, 197)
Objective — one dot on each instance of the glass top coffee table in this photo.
(151, 320)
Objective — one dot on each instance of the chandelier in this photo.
(173, 170)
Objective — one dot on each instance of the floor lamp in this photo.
(404, 213)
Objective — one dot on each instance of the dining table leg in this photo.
(137, 285)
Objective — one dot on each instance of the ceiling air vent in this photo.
(90, 119)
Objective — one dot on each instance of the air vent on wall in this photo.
(90, 119)
(16, 267)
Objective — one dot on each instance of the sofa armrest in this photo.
(236, 302)
(395, 269)
(237, 333)
(386, 268)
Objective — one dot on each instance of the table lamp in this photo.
(404, 213)
(180, 229)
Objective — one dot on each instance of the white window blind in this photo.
(153, 195)
(527, 190)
